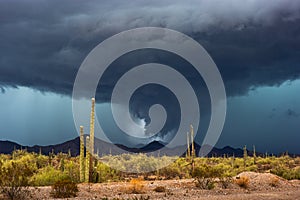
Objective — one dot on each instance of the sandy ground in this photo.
(261, 186)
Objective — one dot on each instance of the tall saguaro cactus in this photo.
(192, 141)
(254, 155)
(92, 127)
(188, 153)
(245, 156)
(81, 156)
(87, 160)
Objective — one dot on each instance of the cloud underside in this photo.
(254, 43)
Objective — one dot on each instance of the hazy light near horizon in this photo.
(267, 117)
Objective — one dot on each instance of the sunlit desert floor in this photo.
(260, 187)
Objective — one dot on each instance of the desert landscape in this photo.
(58, 176)
(149, 100)
(260, 187)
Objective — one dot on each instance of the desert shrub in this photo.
(297, 161)
(242, 181)
(41, 161)
(171, 171)
(136, 187)
(64, 189)
(205, 176)
(19, 154)
(225, 182)
(160, 189)
(71, 169)
(279, 170)
(286, 173)
(48, 176)
(274, 181)
(105, 173)
(14, 179)
(184, 167)
(251, 168)
(205, 183)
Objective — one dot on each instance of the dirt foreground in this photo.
(261, 186)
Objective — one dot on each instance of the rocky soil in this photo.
(260, 186)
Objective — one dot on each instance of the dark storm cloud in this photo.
(43, 42)
(291, 113)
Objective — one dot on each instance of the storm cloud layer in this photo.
(253, 42)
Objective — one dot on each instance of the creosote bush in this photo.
(64, 189)
(48, 176)
(14, 177)
(285, 172)
(205, 176)
(225, 182)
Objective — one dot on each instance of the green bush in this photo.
(48, 176)
(205, 176)
(14, 178)
(286, 173)
(105, 173)
(41, 161)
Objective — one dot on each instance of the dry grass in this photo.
(136, 186)
(274, 182)
(243, 181)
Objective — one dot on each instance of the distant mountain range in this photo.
(106, 148)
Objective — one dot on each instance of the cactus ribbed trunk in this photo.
(192, 141)
(87, 160)
(92, 127)
(92, 137)
(254, 155)
(188, 153)
(81, 156)
(245, 156)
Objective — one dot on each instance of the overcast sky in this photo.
(254, 43)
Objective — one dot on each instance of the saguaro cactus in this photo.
(87, 160)
(188, 153)
(81, 156)
(192, 141)
(254, 155)
(92, 127)
(245, 156)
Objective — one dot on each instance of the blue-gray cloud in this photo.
(43, 42)
(291, 113)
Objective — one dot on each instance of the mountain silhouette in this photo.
(106, 148)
